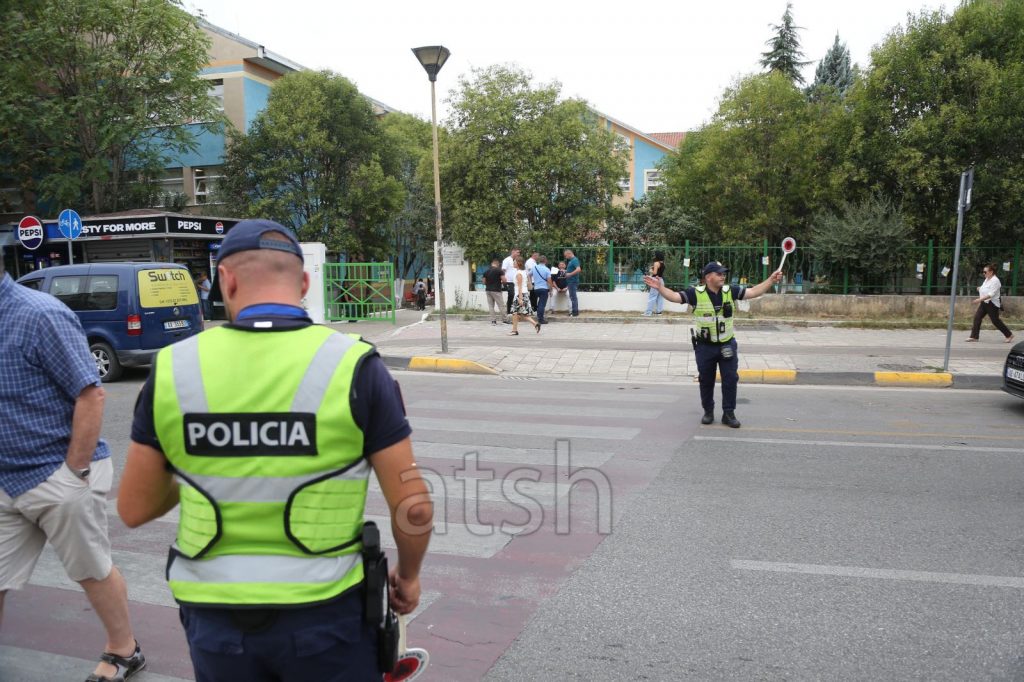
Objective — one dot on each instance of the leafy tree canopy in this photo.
(522, 166)
(317, 160)
(95, 96)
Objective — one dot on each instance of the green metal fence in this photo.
(918, 270)
(359, 291)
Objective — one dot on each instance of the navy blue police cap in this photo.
(715, 266)
(249, 235)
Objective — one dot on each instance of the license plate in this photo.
(1015, 374)
(176, 324)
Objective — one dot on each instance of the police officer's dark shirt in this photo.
(378, 411)
(492, 279)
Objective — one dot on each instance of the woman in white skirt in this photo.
(521, 301)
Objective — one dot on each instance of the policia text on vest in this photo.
(264, 432)
(713, 336)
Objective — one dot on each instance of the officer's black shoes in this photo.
(708, 418)
(730, 420)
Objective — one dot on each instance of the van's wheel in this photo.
(106, 361)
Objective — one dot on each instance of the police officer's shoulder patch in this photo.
(725, 288)
(700, 287)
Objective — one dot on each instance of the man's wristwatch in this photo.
(81, 473)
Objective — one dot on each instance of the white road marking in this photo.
(880, 573)
(849, 444)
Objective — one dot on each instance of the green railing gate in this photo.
(359, 291)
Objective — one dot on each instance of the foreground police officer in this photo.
(713, 339)
(265, 430)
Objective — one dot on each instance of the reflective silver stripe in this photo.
(188, 376)
(267, 489)
(320, 372)
(262, 569)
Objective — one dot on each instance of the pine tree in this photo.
(784, 49)
(834, 70)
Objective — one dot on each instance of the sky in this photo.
(658, 66)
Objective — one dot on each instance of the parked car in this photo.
(1013, 371)
(129, 310)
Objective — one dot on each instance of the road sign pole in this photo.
(71, 256)
(956, 266)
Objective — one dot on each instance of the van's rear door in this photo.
(168, 306)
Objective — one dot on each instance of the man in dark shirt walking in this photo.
(494, 290)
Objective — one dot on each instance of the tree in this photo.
(655, 220)
(412, 230)
(96, 97)
(834, 71)
(520, 166)
(317, 160)
(763, 165)
(784, 54)
(870, 238)
(945, 92)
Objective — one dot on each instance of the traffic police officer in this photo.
(264, 431)
(713, 339)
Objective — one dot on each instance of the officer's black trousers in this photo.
(710, 360)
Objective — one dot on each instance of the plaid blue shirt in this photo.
(45, 364)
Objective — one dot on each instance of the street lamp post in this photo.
(432, 58)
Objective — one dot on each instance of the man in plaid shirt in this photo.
(55, 472)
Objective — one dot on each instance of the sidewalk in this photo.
(650, 350)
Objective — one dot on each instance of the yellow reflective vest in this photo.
(713, 326)
(259, 430)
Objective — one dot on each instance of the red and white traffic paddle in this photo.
(788, 247)
(411, 662)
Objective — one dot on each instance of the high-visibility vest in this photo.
(259, 430)
(713, 326)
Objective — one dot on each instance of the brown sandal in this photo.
(513, 333)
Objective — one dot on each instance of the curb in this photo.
(934, 380)
(426, 363)
(889, 379)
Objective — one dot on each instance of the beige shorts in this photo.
(67, 511)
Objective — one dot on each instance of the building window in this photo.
(215, 89)
(170, 188)
(652, 179)
(624, 183)
(625, 139)
(206, 180)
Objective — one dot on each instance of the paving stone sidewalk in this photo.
(650, 350)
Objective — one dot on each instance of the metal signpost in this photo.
(964, 205)
(70, 225)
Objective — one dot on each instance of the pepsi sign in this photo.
(30, 232)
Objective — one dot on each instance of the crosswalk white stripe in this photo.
(490, 454)
(29, 665)
(533, 410)
(516, 428)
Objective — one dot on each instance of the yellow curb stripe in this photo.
(750, 376)
(423, 363)
(932, 379)
(779, 376)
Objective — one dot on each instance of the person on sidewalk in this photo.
(559, 288)
(493, 290)
(419, 291)
(541, 276)
(203, 284)
(989, 303)
(572, 280)
(531, 263)
(55, 470)
(713, 339)
(265, 431)
(508, 266)
(655, 301)
(521, 304)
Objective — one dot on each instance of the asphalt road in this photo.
(841, 533)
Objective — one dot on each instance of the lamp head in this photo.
(432, 57)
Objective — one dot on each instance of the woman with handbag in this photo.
(521, 301)
(655, 301)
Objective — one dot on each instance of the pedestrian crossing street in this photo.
(527, 478)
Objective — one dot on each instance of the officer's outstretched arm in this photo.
(148, 490)
(669, 294)
(412, 518)
(763, 287)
